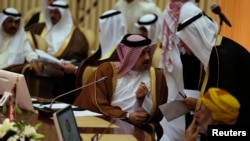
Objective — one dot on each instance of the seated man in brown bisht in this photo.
(65, 42)
(131, 83)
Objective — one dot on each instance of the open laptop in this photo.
(65, 124)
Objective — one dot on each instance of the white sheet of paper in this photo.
(174, 109)
(147, 105)
(192, 93)
(86, 113)
(54, 105)
(63, 105)
(47, 56)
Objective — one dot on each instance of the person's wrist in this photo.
(127, 115)
(76, 68)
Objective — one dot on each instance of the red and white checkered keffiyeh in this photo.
(169, 27)
(129, 55)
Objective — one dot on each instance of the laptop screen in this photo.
(66, 125)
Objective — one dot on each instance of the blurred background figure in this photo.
(36, 15)
(14, 46)
(65, 42)
(134, 9)
(150, 25)
(112, 28)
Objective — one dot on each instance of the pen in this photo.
(182, 95)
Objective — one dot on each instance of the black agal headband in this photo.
(11, 14)
(194, 18)
(110, 14)
(141, 43)
(149, 22)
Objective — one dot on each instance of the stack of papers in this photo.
(63, 105)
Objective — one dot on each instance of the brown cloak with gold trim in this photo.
(98, 97)
(76, 48)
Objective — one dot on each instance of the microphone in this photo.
(217, 10)
(48, 111)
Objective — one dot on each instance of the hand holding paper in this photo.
(174, 109)
(184, 103)
(47, 57)
(48, 65)
(190, 103)
(68, 67)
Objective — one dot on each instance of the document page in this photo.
(77, 112)
(47, 57)
(174, 109)
(147, 105)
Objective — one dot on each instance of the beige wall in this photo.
(236, 11)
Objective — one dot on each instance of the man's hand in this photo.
(138, 118)
(142, 91)
(190, 103)
(68, 67)
(192, 131)
(36, 66)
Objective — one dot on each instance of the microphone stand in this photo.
(96, 137)
(48, 111)
(221, 23)
(54, 99)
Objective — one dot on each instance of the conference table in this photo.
(107, 128)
